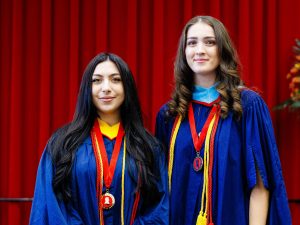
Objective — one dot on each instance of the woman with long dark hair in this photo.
(104, 167)
(223, 160)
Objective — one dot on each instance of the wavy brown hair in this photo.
(227, 72)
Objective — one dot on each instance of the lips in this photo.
(200, 60)
(107, 99)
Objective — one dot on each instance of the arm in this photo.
(261, 154)
(46, 208)
(159, 212)
(259, 203)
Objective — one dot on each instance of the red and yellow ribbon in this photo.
(106, 174)
(205, 214)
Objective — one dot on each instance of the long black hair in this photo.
(140, 144)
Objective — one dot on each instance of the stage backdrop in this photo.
(45, 46)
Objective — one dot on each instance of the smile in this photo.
(106, 99)
(200, 60)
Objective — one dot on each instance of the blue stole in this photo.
(206, 95)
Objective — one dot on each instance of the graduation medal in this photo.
(198, 140)
(107, 200)
(207, 133)
(198, 163)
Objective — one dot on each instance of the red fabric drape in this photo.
(45, 46)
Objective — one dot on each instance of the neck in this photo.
(110, 119)
(204, 80)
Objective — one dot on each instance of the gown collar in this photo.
(206, 95)
(107, 130)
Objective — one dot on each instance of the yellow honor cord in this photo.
(202, 217)
(122, 187)
(123, 183)
(171, 151)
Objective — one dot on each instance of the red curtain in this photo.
(45, 46)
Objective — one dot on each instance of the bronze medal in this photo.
(199, 139)
(198, 163)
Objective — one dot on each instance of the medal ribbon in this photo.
(97, 139)
(199, 139)
(108, 169)
(208, 132)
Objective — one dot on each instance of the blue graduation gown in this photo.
(239, 147)
(83, 208)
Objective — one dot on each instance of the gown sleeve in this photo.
(46, 208)
(159, 212)
(162, 127)
(261, 154)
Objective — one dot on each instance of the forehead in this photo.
(200, 30)
(106, 68)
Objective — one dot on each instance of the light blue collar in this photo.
(206, 95)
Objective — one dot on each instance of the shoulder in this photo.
(163, 115)
(58, 137)
(164, 120)
(85, 147)
(87, 141)
(163, 110)
(250, 98)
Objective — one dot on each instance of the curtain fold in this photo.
(45, 46)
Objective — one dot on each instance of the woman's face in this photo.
(201, 49)
(107, 90)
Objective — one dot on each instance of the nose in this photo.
(105, 87)
(200, 48)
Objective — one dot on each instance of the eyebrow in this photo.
(191, 38)
(207, 37)
(100, 75)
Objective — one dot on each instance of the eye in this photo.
(116, 79)
(210, 42)
(191, 43)
(96, 80)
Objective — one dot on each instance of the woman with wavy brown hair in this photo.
(223, 163)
